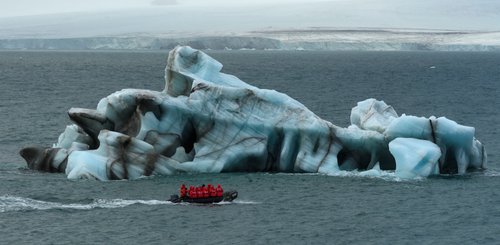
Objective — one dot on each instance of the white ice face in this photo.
(415, 157)
(210, 122)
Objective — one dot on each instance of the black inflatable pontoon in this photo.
(227, 196)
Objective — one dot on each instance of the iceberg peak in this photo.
(187, 66)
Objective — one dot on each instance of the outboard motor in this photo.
(174, 199)
(229, 196)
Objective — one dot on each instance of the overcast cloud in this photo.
(11, 8)
(55, 18)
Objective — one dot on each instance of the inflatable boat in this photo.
(227, 196)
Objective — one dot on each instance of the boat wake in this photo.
(15, 203)
(238, 202)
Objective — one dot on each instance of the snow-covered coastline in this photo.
(386, 40)
(288, 39)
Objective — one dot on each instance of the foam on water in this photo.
(15, 203)
(491, 173)
(374, 173)
(239, 202)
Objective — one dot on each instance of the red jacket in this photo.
(213, 192)
(182, 191)
(219, 190)
(205, 192)
(192, 193)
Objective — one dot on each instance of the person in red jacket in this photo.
(183, 191)
(205, 191)
(213, 192)
(192, 192)
(219, 190)
(199, 192)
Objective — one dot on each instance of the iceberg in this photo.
(205, 121)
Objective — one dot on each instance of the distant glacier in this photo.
(308, 39)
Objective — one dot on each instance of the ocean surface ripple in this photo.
(38, 87)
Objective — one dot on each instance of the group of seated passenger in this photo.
(201, 191)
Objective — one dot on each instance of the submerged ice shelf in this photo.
(210, 122)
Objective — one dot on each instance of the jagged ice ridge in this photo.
(209, 122)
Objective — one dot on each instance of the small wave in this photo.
(491, 173)
(245, 202)
(374, 174)
(292, 174)
(391, 175)
(14, 203)
(239, 202)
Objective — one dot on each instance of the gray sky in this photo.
(11, 8)
(78, 18)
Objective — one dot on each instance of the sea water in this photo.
(38, 87)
